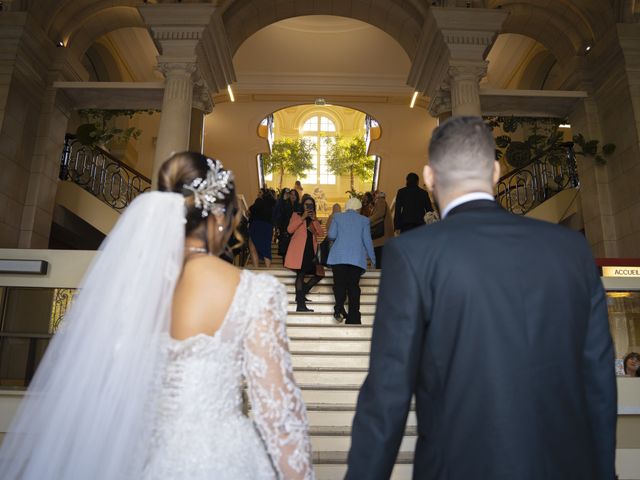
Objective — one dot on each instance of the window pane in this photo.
(326, 125)
(311, 125)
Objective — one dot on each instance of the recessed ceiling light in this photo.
(587, 49)
(413, 99)
(60, 43)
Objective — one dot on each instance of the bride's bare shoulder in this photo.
(203, 296)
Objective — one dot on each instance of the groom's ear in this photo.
(429, 177)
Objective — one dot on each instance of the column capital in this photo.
(473, 71)
(440, 103)
(192, 33)
(174, 66)
(451, 38)
(468, 32)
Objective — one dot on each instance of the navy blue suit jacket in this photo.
(497, 324)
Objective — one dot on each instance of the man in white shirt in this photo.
(485, 317)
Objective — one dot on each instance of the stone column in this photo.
(175, 121)
(37, 214)
(196, 60)
(450, 61)
(464, 80)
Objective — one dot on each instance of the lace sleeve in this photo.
(276, 401)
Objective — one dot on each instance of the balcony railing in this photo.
(101, 174)
(523, 189)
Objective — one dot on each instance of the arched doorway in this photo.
(320, 127)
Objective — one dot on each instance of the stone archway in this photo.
(402, 20)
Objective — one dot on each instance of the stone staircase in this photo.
(330, 363)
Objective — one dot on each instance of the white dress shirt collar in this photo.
(468, 197)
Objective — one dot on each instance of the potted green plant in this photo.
(99, 129)
(288, 155)
(349, 156)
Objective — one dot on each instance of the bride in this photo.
(144, 379)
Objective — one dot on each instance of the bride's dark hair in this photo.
(180, 170)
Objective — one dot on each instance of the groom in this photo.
(498, 325)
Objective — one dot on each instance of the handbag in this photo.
(283, 243)
(318, 261)
(323, 255)
(377, 230)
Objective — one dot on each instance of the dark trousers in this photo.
(378, 252)
(346, 281)
(302, 287)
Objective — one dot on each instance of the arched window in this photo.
(316, 129)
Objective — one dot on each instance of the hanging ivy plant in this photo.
(100, 131)
(545, 142)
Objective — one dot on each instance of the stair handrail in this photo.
(521, 190)
(101, 174)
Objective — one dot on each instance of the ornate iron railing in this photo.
(523, 189)
(101, 174)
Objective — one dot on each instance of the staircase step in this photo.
(340, 456)
(409, 431)
(333, 331)
(283, 272)
(330, 377)
(334, 471)
(327, 289)
(313, 393)
(328, 281)
(329, 361)
(318, 307)
(342, 443)
(344, 419)
(331, 346)
(328, 297)
(295, 318)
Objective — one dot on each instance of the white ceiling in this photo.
(321, 54)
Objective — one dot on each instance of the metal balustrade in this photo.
(523, 189)
(101, 174)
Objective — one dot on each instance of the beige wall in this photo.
(611, 194)
(231, 135)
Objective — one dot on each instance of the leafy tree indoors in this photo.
(288, 155)
(349, 155)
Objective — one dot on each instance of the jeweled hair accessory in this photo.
(207, 192)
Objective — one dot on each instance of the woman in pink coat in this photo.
(304, 229)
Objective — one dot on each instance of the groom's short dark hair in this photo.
(462, 149)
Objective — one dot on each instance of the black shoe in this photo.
(303, 308)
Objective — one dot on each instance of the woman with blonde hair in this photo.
(144, 379)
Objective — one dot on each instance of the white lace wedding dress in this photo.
(199, 430)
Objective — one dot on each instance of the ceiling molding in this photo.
(318, 83)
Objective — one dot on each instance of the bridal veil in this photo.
(86, 412)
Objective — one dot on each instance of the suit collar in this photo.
(473, 205)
